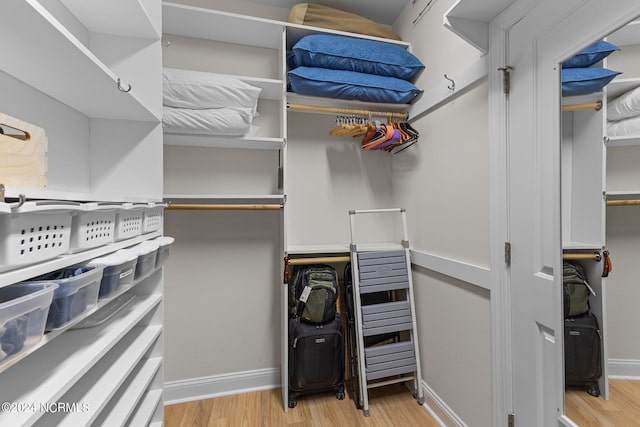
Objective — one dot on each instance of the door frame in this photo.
(589, 22)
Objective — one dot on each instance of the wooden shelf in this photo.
(296, 31)
(226, 27)
(50, 374)
(74, 75)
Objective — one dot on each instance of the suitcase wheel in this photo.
(340, 395)
(293, 403)
(593, 390)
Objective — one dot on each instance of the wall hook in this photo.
(452, 86)
(121, 88)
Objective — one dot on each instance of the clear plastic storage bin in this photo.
(152, 217)
(93, 225)
(77, 292)
(34, 231)
(129, 221)
(164, 243)
(23, 314)
(147, 252)
(119, 271)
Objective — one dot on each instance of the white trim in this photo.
(440, 95)
(439, 410)
(624, 369)
(470, 273)
(220, 385)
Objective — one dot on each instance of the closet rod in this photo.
(318, 260)
(220, 207)
(588, 106)
(578, 256)
(334, 110)
(630, 202)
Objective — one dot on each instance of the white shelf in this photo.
(214, 141)
(122, 408)
(576, 246)
(27, 272)
(98, 386)
(619, 86)
(582, 99)
(340, 248)
(62, 67)
(49, 375)
(224, 198)
(146, 409)
(124, 18)
(226, 27)
(627, 35)
(31, 193)
(623, 195)
(622, 141)
(272, 89)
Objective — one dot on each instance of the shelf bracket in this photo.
(1, 192)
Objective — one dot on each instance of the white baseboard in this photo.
(220, 385)
(628, 369)
(439, 409)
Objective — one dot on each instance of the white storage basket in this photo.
(129, 221)
(34, 232)
(94, 225)
(152, 219)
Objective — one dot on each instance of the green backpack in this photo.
(576, 289)
(313, 292)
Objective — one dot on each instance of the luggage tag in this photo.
(305, 294)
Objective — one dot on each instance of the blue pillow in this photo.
(351, 85)
(582, 81)
(590, 55)
(353, 54)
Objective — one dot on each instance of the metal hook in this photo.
(122, 89)
(21, 199)
(453, 83)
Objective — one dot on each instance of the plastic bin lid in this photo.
(164, 240)
(145, 247)
(99, 206)
(116, 258)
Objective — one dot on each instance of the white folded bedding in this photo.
(625, 106)
(626, 127)
(212, 121)
(201, 90)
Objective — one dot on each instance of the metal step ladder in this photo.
(383, 270)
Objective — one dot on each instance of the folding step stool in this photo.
(388, 269)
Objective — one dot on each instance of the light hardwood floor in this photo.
(621, 410)
(390, 406)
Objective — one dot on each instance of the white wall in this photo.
(444, 183)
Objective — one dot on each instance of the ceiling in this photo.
(381, 11)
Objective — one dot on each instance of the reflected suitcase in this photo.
(582, 352)
(316, 358)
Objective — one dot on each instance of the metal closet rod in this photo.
(587, 106)
(630, 202)
(582, 256)
(334, 110)
(318, 260)
(221, 207)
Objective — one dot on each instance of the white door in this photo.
(540, 35)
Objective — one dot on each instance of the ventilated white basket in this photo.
(153, 216)
(34, 232)
(129, 221)
(93, 225)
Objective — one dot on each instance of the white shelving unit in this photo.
(89, 74)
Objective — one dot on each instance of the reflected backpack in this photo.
(313, 292)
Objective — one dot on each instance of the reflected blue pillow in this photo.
(354, 54)
(590, 55)
(350, 85)
(582, 81)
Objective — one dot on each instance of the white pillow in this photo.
(626, 127)
(197, 89)
(212, 121)
(625, 106)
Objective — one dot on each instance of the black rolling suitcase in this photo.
(582, 352)
(316, 358)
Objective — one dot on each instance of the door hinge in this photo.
(507, 253)
(511, 422)
(506, 80)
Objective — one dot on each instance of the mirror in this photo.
(593, 225)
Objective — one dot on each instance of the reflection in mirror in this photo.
(601, 102)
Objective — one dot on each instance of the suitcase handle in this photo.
(401, 211)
